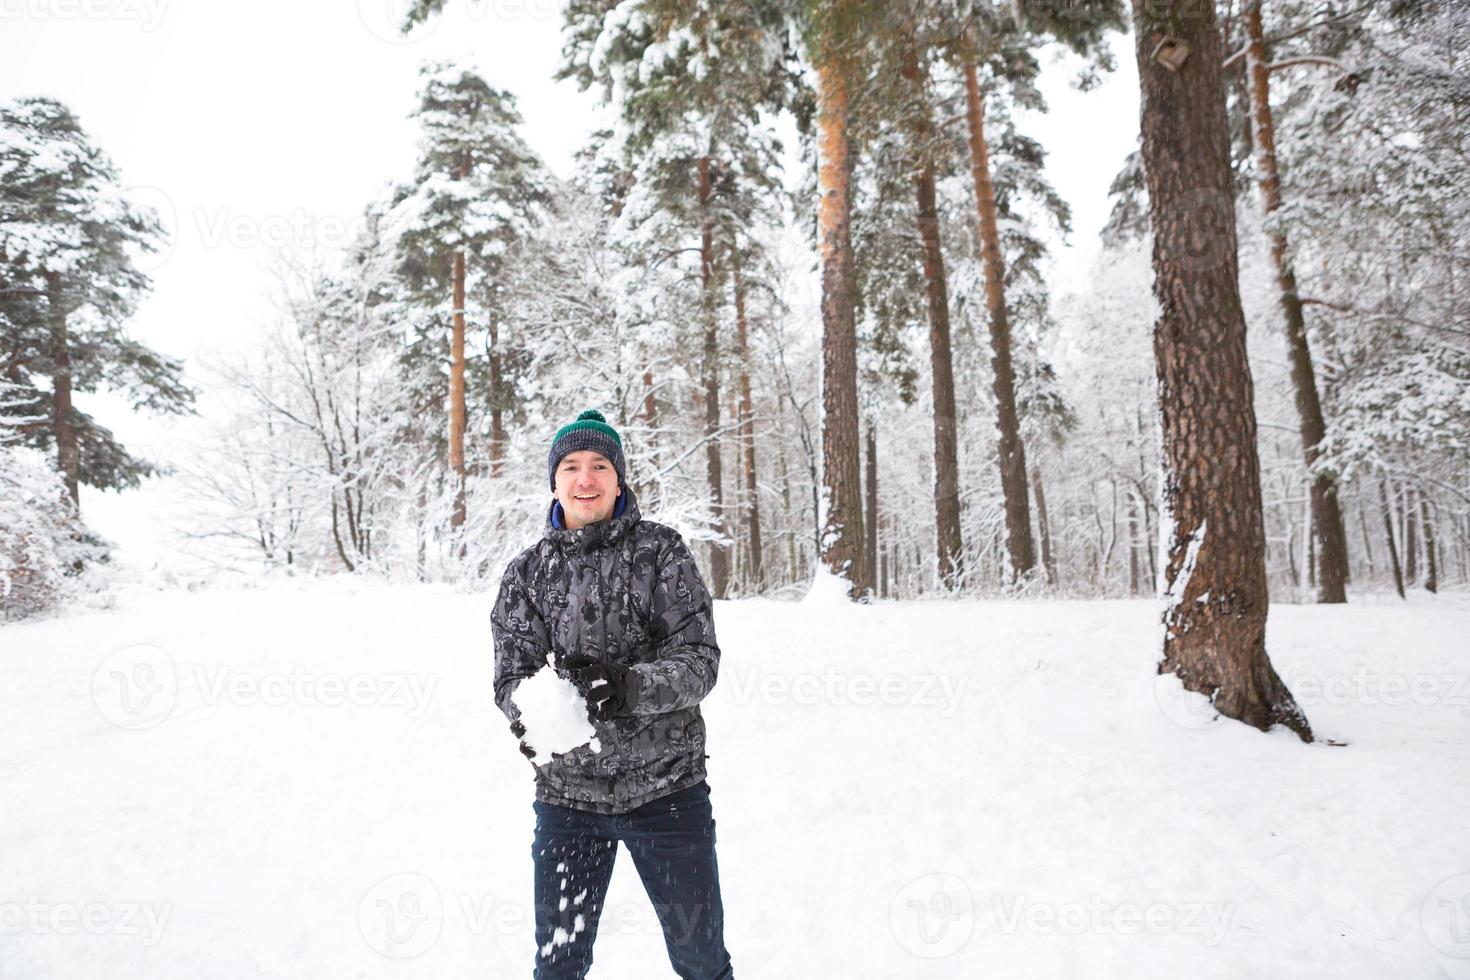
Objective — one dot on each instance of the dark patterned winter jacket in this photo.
(626, 591)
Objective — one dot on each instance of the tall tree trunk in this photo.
(747, 435)
(420, 532)
(647, 492)
(456, 377)
(1289, 547)
(885, 560)
(842, 546)
(1393, 551)
(941, 363)
(1431, 564)
(871, 522)
(1144, 472)
(1367, 541)
(497, 409)
(1215, 540)
(719, 552)
(1135, 543)
(1306, 580)
(1011, 451)
(790, 517)
(1048, 562)
(68, 453)
(650, 403)
(1411, 539)
(1329, 535)
(1464, 549)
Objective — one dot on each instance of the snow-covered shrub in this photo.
(39, 533)
(43, 541)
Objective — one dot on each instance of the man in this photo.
(618, 604)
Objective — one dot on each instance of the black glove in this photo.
(519, 731)
(610, 689)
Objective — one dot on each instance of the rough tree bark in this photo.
(1214, 537)
(1328, 533)
(1012, 453)
(842, 546)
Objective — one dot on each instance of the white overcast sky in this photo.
(275, 121)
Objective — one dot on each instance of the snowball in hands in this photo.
(554, 713)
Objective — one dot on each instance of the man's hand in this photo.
(519, 731)
(610, 689)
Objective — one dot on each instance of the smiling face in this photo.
(587, 487)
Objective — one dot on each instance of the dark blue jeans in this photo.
(672, 840)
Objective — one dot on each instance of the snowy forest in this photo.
(952, 426)
(805, 264)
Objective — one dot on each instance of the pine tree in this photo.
(1215, 570)
(477, 189)
(913, 68)
(1327, 526)
(41, 535)
(1362, 117)
(1373, 152)
(835, 39)
(69, 244)
(999, 39)
(689, 82)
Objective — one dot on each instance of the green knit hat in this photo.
(589, 431)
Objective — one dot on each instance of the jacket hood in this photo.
(610, 531)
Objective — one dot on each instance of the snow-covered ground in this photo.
(311, 781)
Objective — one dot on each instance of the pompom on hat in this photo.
(589, 431)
